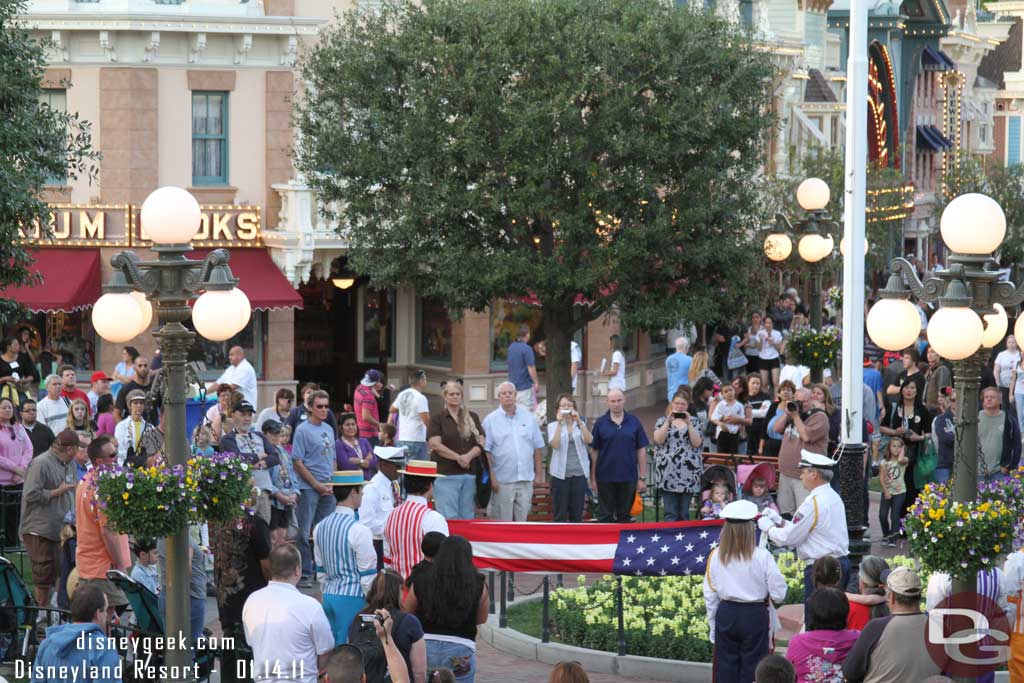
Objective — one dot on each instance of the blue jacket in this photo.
(97, 662)
(945, 431)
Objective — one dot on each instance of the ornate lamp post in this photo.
(971, 319)
(171, 217)
(816, 242)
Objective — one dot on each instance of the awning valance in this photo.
(70, 281)
(931, 139)
(936, 60)
(260, 279)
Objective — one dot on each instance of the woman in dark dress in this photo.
(909, 419)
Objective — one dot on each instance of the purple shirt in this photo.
(15, 451)
(348, 459)
(105, 424)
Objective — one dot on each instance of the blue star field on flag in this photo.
(678, 551)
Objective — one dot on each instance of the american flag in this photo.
(662, 549)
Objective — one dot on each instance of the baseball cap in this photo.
(67, 439)
(99, 375)
(904, 581)
(243, 406)
(272, 427)
(372, 377)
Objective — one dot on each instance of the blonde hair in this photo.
(888, 446)
(463, 419)
(71, 416)
(699, 365)
(736, 542)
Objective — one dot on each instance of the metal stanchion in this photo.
(490, 592)
(619, 615)
(502, 615)
(545, 626)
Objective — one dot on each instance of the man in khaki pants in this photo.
(803, 428)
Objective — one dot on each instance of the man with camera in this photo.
(345, 662)
(804, 427)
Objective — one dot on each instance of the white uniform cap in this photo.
(740, 511)
(389, 453)
(816, 460)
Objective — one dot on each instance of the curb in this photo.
(594, 661)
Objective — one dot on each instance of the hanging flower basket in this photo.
(817, 350)
(145, 503)
(834, 299)
(959, 539)
(222, 485)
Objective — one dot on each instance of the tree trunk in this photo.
(558, 329)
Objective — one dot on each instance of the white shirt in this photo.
(1012, 583)
(286, 630)
(818, 527)
(723, 409)
(618, 380)
(378, 502)
(53, 413)
(432, 521)
(558, 455)
(794, 373)
(1007, 363)
(511, 440)
(742, 581)
(769, 351)
(575, 356)
(244, 377)
(124, 433)
(410, 403)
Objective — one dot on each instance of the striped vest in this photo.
(340, 570)
(403, 534)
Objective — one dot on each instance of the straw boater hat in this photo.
(348, 478)
(421, 468)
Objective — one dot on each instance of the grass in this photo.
(526, 618)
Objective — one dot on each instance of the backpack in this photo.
(375, 663)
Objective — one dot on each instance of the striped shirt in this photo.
(404, 531)
(343, 550)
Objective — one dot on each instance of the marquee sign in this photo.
(119, 225)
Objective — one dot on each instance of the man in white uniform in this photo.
(819, 525)
(381, 495)
(240, 375)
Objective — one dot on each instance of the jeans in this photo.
(414, 450)
(889, 513)
(1018, 400)
(676, 506)
(455, 496)
(197, 613)
(942, 474)
(615, 499)
(310, 509)
(461, 659)
(568, 497)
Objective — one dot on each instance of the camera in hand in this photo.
(565, 411)
(681, 416)
(791, 406)
(366, 620)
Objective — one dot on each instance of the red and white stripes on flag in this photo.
(549, 547)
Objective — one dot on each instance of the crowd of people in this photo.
(360, 500)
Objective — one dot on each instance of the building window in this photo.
(215, 354)
(209, 138)
(506, 317)
(370, 306)
(57, 100)
(434, 332)
(983, 133)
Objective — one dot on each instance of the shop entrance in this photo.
(328, 347)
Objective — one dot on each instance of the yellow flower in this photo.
(997, 547)
(124, 495)
(216, 500)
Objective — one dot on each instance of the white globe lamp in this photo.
(778, 246)
(244, 308)
(995, 326)
(145, 306)
(170, 215)
(973, 224)
(955, 332)
(117, 317)
(894, 324)
(813, 248)
(812, 194)
(1018, 328)
(215, 315)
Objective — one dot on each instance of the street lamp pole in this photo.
(170, 282)
(971, 320)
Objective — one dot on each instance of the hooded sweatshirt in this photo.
(818, 655)
(96, 662)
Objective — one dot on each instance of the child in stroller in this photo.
(756, 482)
(718, 489)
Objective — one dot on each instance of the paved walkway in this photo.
(494, 666)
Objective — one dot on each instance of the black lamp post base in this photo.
(851, 488)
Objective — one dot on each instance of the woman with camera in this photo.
(679, 456)
(407, 632)
(909, 419)
(569, 437)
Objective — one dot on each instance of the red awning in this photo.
(71, 281)
(261, 280)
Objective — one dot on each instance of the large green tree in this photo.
(37, 143)
(569, 150)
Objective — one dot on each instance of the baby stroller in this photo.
(714, 475)
(748, 474)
